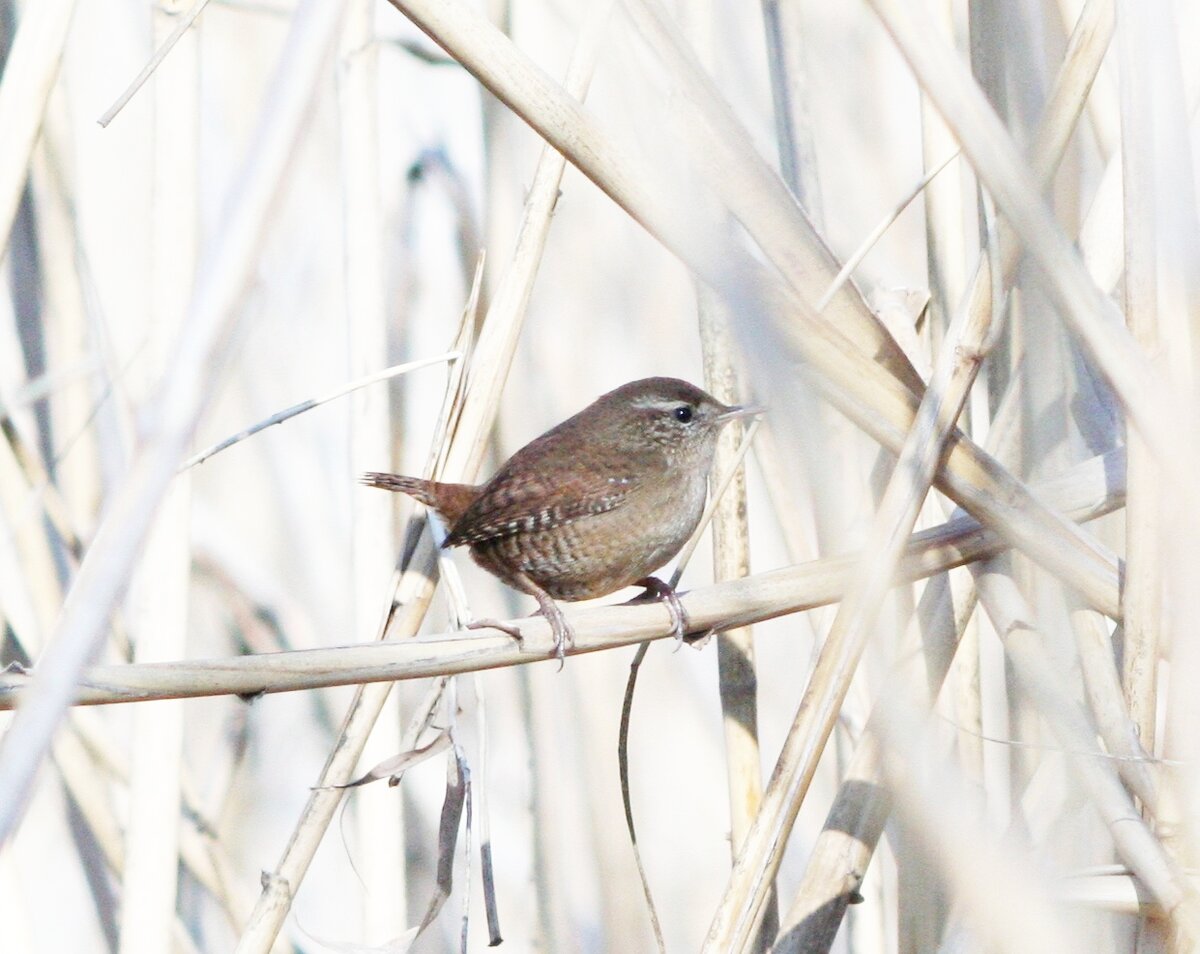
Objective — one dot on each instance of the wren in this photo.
(594, 505)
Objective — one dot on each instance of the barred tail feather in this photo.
(413, 486)
(449, 500)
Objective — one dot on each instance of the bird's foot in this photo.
(665, 593)
(564, 636)
(496, 624)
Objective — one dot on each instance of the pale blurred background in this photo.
(270, 523)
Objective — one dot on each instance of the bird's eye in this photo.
(683, 414)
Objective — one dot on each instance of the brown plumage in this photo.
(594, 505)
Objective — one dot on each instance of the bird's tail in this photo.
(415, 487)
(449, 500)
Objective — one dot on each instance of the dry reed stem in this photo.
(1091, 316)
(1103, 109)
(1100, 242)
(738, 682)
(737, 679)
(29, 74)
(1142, 594)
(79, 755)
(1102, 683)
(921, 908)
(411, 593)
(839, 858)
(31, 593)
(1044, 683)
(79, 771)
(166, 45)
(84, 751)
(1158, 95)
(29, 585)
(1086, 491)
(740, 698)
(203, 857)
(799, 532)
(960, 358)
(379, 816)
(784, 28)
(37, 479)
(842, 853)
(857, 385)
(1112, 891)
(1001, 891)
(30, 588)
(945, 211)
(731, 561)
(181, 398)
(459, 458)
(65, 275)
(158, 594)
(480, 799)
(737, 917)
(751, 190)
(991, 897)
(1085, 51)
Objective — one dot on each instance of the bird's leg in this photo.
(665, 593)
(564, 636)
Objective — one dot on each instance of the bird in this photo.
(594, 505)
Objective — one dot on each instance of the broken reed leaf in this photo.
(457, 780)
(393, 768)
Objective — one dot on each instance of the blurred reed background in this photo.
(999, 757)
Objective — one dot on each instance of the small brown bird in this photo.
(594, 505)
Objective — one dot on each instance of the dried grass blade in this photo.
(185, 24)
(878, 232)
(393, 769)
(451, 818)
(181, 398)
(307, 405)
(623, 771)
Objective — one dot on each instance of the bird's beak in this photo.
(746, 410)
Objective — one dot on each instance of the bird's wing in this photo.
(550, 497)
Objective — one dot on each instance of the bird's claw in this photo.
(665, 593)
